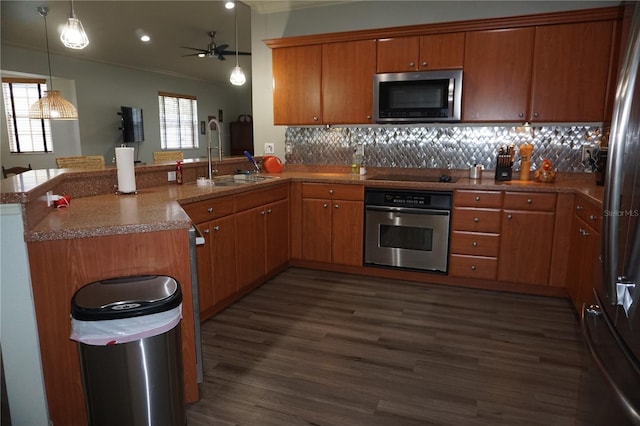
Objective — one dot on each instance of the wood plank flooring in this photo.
(322, 348)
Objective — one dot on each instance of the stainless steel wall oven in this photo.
(407, 229)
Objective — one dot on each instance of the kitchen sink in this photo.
(232, 180)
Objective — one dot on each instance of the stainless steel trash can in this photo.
(128, 333)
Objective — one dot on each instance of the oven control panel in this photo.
(411, 199)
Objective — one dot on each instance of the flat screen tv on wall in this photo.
(132, 124)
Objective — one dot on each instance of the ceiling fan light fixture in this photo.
(73, 35)
(53, 106)
(237, 76)
(230, 5)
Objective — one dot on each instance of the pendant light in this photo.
(237, 75)
(52, 105)
(73, 35)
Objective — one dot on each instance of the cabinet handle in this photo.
(579, 207)
(473, 267)
(206, 231)
(585, 233)
(262, 213)
(368, 117)
(476, 219)
(425, 63)
(475, 244)
(315, 118)
(509, 216)
(529, 201)
(411, 64)
(331, 191)
(210, 210)
(593, 217)
(478, 198)
(521, 115)
(325, 205)
(216, 228)
(535, 114)
(336, 206)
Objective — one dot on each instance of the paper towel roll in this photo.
(126, 170)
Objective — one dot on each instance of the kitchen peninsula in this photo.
(103, 235)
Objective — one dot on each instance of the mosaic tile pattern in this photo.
(438, 147)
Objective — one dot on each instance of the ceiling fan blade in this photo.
(233, 52)
(195, 54)
(220, 48)
(195, 48)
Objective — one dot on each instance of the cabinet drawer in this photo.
(589, 212)
(475, 243)
(260, 197)
(485, 268)
(334, 192)
(539, 201)
(203, 211)
(488, 199)
(475, 220)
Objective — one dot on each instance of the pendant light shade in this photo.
(73, 35)
(52, 105)
(237, 77)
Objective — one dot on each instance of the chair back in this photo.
(81, 162)
(14, 170)
(167, 156)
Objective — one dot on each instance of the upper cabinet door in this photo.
(347, 82)
(497, 74)
(441, 51)
(398, 54)
(571, 71)
(296, 80)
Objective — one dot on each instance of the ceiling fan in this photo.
(213, 50)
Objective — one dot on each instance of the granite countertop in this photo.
(159, 208)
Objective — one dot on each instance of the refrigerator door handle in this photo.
(613, 180)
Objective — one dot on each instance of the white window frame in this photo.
(178, 121)
(26, 135)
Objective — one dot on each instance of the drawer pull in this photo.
(475, 244)
(206, 231)
(325, 205)
(331, 191)
(509, 216)
(336, 206)
(593, 217)
(210, 209)
(529, 201)
(473, 267)
(216, 228)
(262, 213)
(477, 198)
(268, 210)
(476, 219)
(579, 207)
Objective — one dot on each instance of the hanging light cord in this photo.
(73, 12)
(43, 12)
(235, 15)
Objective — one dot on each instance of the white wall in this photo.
(364, 15)
(100, 90)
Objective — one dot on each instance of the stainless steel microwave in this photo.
(417, 97)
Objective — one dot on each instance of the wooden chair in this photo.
(81, 162)
(14, 170)
(167, 156)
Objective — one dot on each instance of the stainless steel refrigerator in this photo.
(611, 327)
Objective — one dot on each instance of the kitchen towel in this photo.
(126, 171)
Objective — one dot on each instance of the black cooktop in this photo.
(416, 178)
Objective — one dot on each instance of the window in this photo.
(178, 121)
(25, 134)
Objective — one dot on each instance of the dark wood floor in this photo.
(320, 348)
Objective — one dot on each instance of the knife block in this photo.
(504, 169)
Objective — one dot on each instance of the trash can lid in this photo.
(125, 297)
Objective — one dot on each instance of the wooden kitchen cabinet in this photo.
(332, 223)
(296, 85)
(527, 234)
(347, 82)
(571, 66)
(223, 280)
(250, 246)
(420, 53)
(475, 234)
(585, 267)
(497, 74)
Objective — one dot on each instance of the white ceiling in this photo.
(112, 26)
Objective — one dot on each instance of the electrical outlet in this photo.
(587, 152)
(288, 148)
(49, 198)
(171, 176)
(269, 148)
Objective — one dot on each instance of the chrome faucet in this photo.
(209, 148)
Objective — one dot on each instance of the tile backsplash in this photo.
(455, 147)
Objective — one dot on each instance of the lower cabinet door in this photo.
(277, 242)
(223, 259)
(347, 232)
(250, 244)
(316, 230)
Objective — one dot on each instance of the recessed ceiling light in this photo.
(142, 35)
(230, 4)
(145, 38)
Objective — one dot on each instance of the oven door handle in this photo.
(409, 210)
